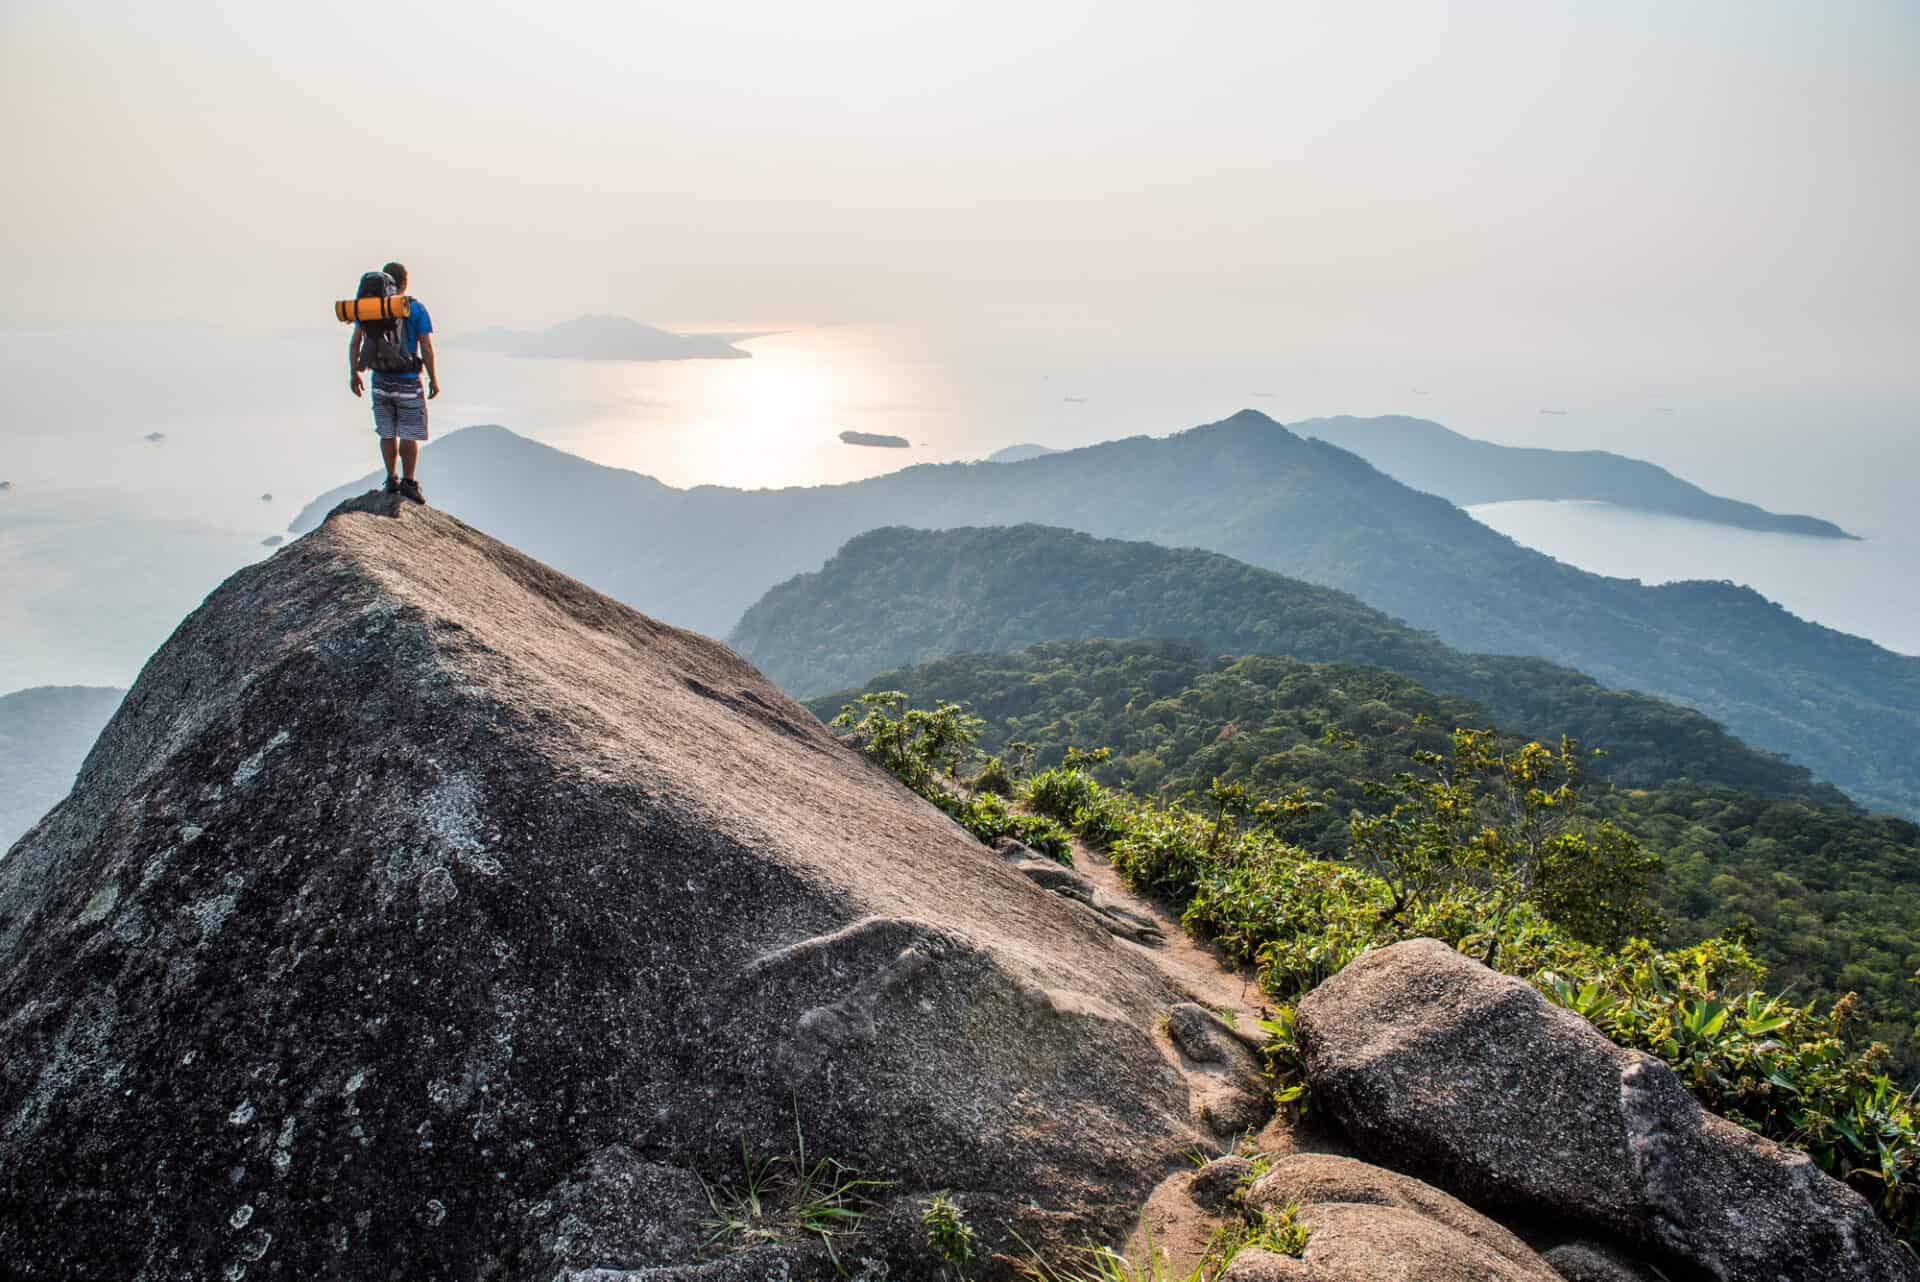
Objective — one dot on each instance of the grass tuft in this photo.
(789, 1198)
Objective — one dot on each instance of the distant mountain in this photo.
(895, 597)
(1250, 489)
(605, 338)
(1019, 453)
(44, 735)
(1462, 470)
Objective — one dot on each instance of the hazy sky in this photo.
(1713, 182)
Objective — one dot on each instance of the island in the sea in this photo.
(606, 338)
(875, 440)
(1019, 453)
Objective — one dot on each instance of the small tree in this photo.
(1228, 800)
(1506, 823)
(917, 745)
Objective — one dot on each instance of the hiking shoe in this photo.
(393, 485)
(410, 489)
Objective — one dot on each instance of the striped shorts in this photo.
(400, 413)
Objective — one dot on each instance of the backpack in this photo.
(381, 348)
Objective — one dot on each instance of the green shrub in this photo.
(926, 749)
(1045, 836)
(1163, 851)
(1783, 1070)
(1070, 794)
(995, 777)
(989, 818)
(949, 1235)
(919, 746)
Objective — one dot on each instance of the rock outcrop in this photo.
(424, 914)
(1438, 1066)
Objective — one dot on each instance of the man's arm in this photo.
(426, 355)
(353, 362)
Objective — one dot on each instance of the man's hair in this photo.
(399, 273)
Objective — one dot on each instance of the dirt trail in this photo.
(1196, 968)
(1174, 1231)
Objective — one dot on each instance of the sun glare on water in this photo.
(771, 420)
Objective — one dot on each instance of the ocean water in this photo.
(1869, 587)
(107, 538)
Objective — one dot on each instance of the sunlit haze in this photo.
(1624, 181)
(1682, 233)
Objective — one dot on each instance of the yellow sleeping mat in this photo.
(372, 309)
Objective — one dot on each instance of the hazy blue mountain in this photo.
(1019, 453)
(1248, 488)
(1433, 458)
(897, 597)
(605, 338)
(44, 735)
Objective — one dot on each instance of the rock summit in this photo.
(424, 914)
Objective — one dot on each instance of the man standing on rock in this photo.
(399, 408)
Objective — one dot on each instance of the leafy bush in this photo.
(921, 747)
(1001, 773)
(1507, 824)
(1069, 793)
(1783, 1070)
(925, 750)
(989, 818)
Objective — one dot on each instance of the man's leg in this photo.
(409, 457)
(389, 448)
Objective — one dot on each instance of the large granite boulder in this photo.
(1436, 1065)
(423, 914)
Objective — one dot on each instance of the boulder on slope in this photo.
(417, 894)
(1366, 1242)
(1306, 1178)
(1436, 1065)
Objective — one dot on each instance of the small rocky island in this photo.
(875, 440)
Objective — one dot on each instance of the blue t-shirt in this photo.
(416, 324)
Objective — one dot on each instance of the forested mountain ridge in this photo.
(1248, 488)
(897, 596)
(1829, 895)
(1462, 470)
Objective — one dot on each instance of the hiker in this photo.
(399, 408)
